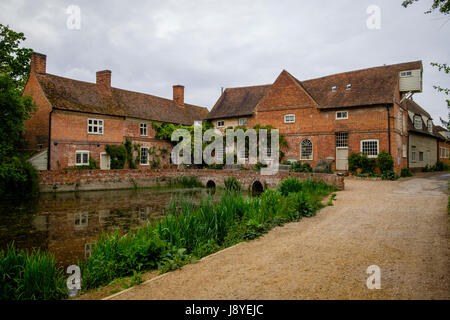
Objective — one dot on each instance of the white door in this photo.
(105, 161)
(341, 158)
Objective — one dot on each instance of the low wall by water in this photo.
(88, 180)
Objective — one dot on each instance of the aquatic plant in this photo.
(30, 276)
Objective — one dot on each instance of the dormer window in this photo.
(333, 88)
(348, 87)
(430, 126)
(417, 122)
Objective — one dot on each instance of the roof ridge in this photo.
(363, 69)
(120, 89)
(243, 87)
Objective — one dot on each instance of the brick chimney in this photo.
(104, 79)
(178, 94)
(38, 62)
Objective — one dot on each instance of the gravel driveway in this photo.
(401, 226)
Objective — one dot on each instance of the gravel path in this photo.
(400, 226)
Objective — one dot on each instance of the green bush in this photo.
(406, 172)
(232, 184)
(18, 178)
(385, 162)
(389, 175)
(30, 276)
(301, 167)
(185, 182)
(118, 155)
(289, 185)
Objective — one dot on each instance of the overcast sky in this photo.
(207, 44)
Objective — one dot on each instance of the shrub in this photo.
(299, 167)
(389, 175)
(385, 162)
(185, 182)
(289, 185)
(232, 185)
(30, 276)
(259, 165)
(323, 167)
(354, 162)
(118, 155)
(18, 178)
(363, 162)
(406, 172)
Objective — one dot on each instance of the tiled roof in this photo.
(235, 102)
(69, 94)
(370, 86)
(414, 109)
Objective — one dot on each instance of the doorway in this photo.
(105, 161)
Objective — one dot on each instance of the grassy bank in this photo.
(185, 234)
(188, 233)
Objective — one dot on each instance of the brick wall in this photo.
(83, 180)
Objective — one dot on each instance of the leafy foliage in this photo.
(30, 276)
(361, 161)
(14, 60)
(232, 184)
(385, 162)
(118, 155)
(301, 167)
(442, 5)
(406, 172)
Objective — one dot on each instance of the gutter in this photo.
(49, 138)
(389, 128)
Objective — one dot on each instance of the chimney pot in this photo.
(104, 78)
(178, 94)
(38, 62)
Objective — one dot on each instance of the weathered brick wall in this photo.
(36, 128)
(78, 180)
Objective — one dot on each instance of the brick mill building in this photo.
(333, 116)
(75, 120)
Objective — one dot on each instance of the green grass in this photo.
(185, 182)
(30, 276)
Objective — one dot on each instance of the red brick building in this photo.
(332, 116)
(75, 120)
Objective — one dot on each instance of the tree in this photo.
(14, 60)
(442, 5)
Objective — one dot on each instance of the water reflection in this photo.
(68, 224)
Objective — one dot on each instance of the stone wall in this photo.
(86, 180)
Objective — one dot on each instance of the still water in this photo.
(67, 224)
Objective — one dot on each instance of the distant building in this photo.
(75, 120)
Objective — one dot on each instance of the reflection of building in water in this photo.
(68, 224)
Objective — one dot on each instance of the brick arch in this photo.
(257, 187)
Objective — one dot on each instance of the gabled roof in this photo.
(74, 95)
(372, 86)
(414, 109)
(236, 102)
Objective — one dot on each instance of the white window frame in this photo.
(404, 150)
(312, 151)
(444, 154)
(143, 129)
(148, 157)
(413, 153)
(243, 121)
(348, 87)
(82, 152)
(430, 126)
(288, 116)
(333, 88)
(220, 126)
(370, 140)
(341, 117)
(405, 74)
(100, 126)
(419, 118)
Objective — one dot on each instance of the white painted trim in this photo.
(148, 157)
(369, 140)
(287, 115)
(242, 124)
(341, 118)
(146, 129)
(82, 152)
(97, 125)
(312, 150)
